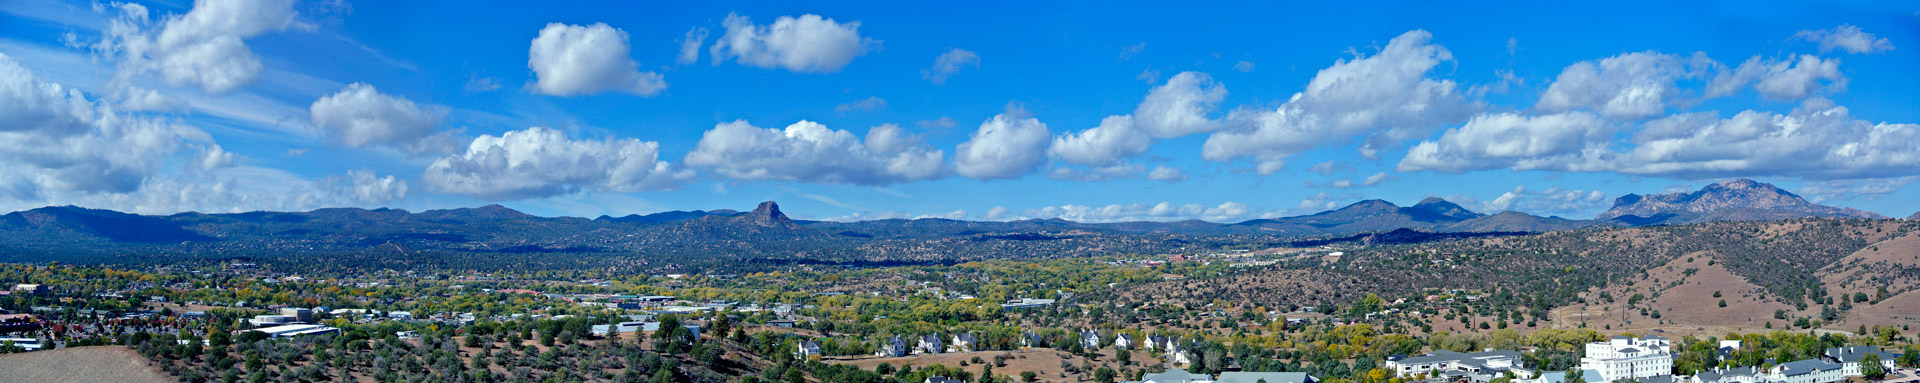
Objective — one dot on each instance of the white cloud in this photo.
(1316, 203)
(1178, 108)
(809, 43)
(1329, 167)
(1243, 66)
(939, 123)
(1551, 201)
(542, 162)
(1373, 180)
(1563, 141)
(1846, 37)
(364, 187)
(997, 213)
(573, 59)
(1007, 146)
(956, 215)
(1624, 87)
(1817, 141)
(868, 104)
(1854, 190)
(204, 47)
(1382, 99)
(1784, 79)
(1162, 212)
(871, 216)
(949, 63)
(1095, 174)
(1167, 174)
(690, 45)
(57, 143)
(361, 116)
(807, 151)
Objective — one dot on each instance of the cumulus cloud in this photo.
(949, 63)
(1316, 203)
(809, 43)
(1783, 79)
(542, 162)
(1177, 108)
(1009, 145)
(574, 59)
(361, 116)
(1627, 86)
(1853, 190)
(362, 186)
(1162, 212)
(997, 213)
(205, 47)
(1329, 167)
(807, 151)
(1846, 37)
(1381, 99)
(1562, 141)
(690, 45)
(58, 143)
(868, 104)
(956, 214)
(1817, 141)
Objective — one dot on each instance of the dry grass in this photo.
(1686, 302)
(80, 365)
(1043, 361)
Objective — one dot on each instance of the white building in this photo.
(1629, 358)
(293, 330)
(1123, 341)
(27, 344)
(1849, 358)
(1806, 371)
(1482, 363)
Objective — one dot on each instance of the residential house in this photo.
(32, 289)
(1029, 339)
(894, 347)
(963, 342)
(929, 344)
(1628, 358)
(1090, 340)
(1123, 341)
(942, 379)
(807, 349)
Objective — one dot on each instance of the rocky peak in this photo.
(767, 214)
(1740, 199)
(1446, 208)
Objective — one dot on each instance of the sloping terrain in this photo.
(1893, 265)
(80, 364)
(1682, 291)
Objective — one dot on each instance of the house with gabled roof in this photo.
(929, 344)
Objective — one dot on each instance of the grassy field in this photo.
(80, 365)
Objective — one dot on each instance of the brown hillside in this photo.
(80, 365)
(1682, 291)
(1899, 310)
(1893, 264)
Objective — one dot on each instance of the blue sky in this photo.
(1092, 111)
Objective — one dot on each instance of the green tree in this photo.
(1871, 368)
(1103, 375)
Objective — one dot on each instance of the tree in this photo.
(1103, 375)
(1575, 375)
(1029, 376)
(1871, 368)
(1723, 303)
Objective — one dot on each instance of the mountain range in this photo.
(766, 233)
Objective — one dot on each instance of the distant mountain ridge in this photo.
(766, 232)
(1734, 200)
